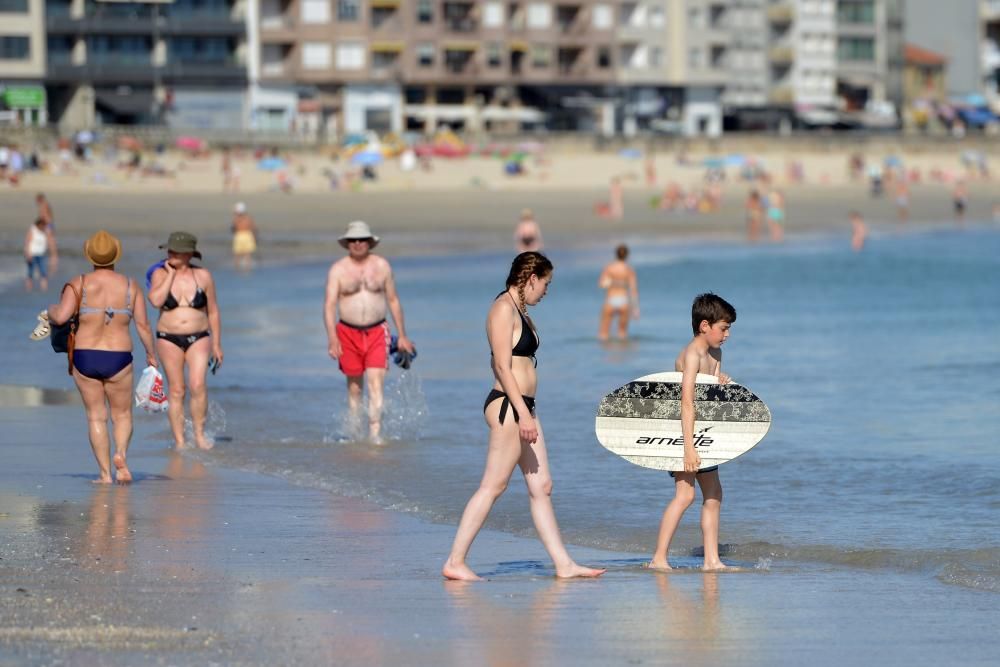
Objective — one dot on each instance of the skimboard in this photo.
(641, 421)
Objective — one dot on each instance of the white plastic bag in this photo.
(149, 393)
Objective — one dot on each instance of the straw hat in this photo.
(182, 243)
(102, 249)
(358, 230)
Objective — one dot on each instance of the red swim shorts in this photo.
(363, 347)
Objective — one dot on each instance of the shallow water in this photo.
(879, 368)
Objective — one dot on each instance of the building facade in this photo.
(22, 62)
(585, 65)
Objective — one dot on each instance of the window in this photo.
(856, 48)
(494, 54)
(603, 57)
(541, 55)
(539, 15)
(13, 6)
(856, 12)
(695, 59)
(492, 14)
(602, 17)
(348, 10)
(15, 48)
(425, 11)
(315, 11)
(199, 49)
(657, 19)
(425, 55)
(350, 55)
(315, 55)
(655, 56)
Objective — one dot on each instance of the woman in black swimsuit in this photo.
(515, 435)
(189, 332)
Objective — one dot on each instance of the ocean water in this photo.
(880, 369)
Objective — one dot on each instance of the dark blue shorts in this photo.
(702, 471)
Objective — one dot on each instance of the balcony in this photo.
(781, 55)
(780, 14)
(276, 68)
(277, 28)
(207, 24)
(132, 69)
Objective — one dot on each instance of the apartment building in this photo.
(870, 47)
(349, 65)
(22, 62)
(181, 63)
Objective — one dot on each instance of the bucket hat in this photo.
(182, 242)
(358, 230)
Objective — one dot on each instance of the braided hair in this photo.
(524, 266)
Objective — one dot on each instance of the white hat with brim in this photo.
(357, 230)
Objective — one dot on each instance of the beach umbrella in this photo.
(271, 164)
(190, 143)
(84, 137)
(367, 158)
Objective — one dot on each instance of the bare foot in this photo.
(460, 572)
(103, 479)
(122, 473)
(579, 571)
(716, 567)
(180, 445)
(203, 442)
(656, 565)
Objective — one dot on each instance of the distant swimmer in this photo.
(755, 215)
(527, 233)
(244, 237)
(359, 290)
(515, 434)
(902, 197)
(39, 250)
(960, 199)
(859, 231)
(622, 297)
(776, 216)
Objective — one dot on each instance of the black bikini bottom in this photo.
(183, 341)
(494, 394)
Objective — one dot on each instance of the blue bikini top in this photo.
(109, 312)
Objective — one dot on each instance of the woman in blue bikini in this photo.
(515, 435)
(102, 355)
(188, 332)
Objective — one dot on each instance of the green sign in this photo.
(24, 97)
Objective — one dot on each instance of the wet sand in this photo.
(195, 564)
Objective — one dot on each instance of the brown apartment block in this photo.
(356, 65)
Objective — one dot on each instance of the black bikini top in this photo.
(198, 302)
(528, 343)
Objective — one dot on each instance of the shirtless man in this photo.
(362, 287)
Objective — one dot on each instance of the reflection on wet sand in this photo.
(507, 634)
(16, 396)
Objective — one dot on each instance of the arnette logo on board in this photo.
(701, 439)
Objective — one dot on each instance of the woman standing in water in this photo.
(188, 333)
(515, 435)
(622, 298)
(101, 359)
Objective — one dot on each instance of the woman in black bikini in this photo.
(188, 332)
(515, 435)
